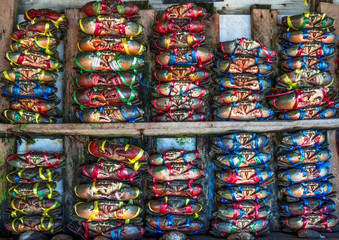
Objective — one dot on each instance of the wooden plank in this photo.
(70, 74)
(264, 23)
(147, 20)
(332, 10)
(75, 150)
(7, 147)
(166, 129)
(8, 18)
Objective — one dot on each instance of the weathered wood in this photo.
(167, 129)
(75, 150)
(332, 10)
(7, 147)
(264, 26)
(314, 4)
(69, 74)
(147, 20)
(8, 18)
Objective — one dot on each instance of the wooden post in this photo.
(69, 75)
(7, 147)
(264, 25)
(8, 19)
(332, 10)
(75, 150)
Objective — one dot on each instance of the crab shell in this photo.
(46, 15)
(242, 158)
(48, 108)
(177, 103)
(241, 193)
(110, 190)
(245, 175)
(175, 171)
(305, 138)
(184, 10)
(107, 210)
(238, 95)
(181, 88)
(174, 222)
(174, 205)
(34, 175)
(180, 116)
(243, 64)
(307, 206)
(175, 188)
(29, 74)
(174, 156)
(306, 77)
(44, 44)
(318, 222)
(244, 111)
(307, 49)
(121, 45)
(308, 36)
(96, 8)
(34, 223)
(29, 29)
(25, 89)
(178, 40)
(111, 79)
(117, 151)
(22, 116)
(110, 25)
(242, 209)
(243, 81)
(107, 61)
(240, 225)
(108, 114)
(34, 59)
(181, 73)
(305, 62)
(34, 190)
(308, 20)
(315, 112)
(307, 189)
(182, 25)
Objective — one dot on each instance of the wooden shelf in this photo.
(166, 129)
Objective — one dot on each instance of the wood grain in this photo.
(69, 74)
(332, 10)
(75, 150)
(8, 18)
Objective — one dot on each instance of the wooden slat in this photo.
(264, 23)
(7, 147)
(332, 10)
(69, 74)
(8, 19)
(167, 129)
(75, 150)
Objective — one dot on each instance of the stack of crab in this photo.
(174, 186)
(243, 75)
(111, 59)
(182, 64)
(240, 184)
(34, 54)
(112, 198)
(34, 206)
(304, 86)
(303, 179)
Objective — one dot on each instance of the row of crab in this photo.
(303, 177)
(175, 199)
(303, 91)
(35, 61)
(111, 63)
(242, 174)
(182, 57)
(35, 204)
(111, 193)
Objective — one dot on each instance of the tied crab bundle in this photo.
(110, 190)
(181, 25)
(99, 97)
(301, 139)
(306, 206)
(44, 44)
(42, 106)
(182, 73)
(179, 116)
(46, 15)
(175, 188)
(174, 206)
(241, 193)
(108, 7)
(174, 103)
(34, 206)
(174, 156)
(34, 29)
(114, 79)
(34, 190)
(34, 223)
(175, 171)
(33, 159)
(116, 44)
(113, 25)
(307, 20)
(21, 73)
(182, 11)
(112, 229)
(310, 35)
(23, 116)
(169, 222)
(245, 175)
(101, 210)
(110, 114)
(323, 223)
(308, 49)
(34, 175)
(29, 89)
